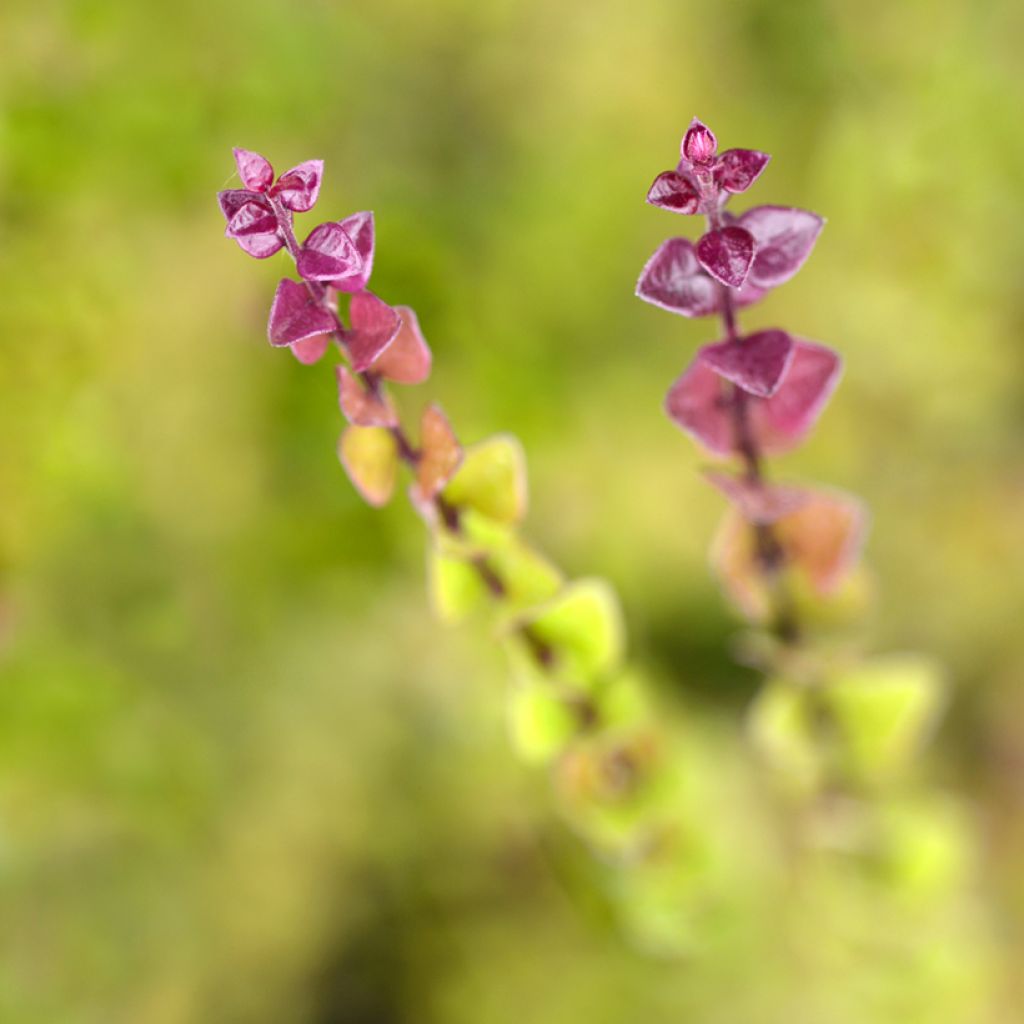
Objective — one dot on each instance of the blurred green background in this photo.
(244, 776)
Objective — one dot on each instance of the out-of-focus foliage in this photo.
(244, 774)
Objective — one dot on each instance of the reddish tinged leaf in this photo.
(251, 218)
(254, 170)
(821, 540)
(311, 350)
(699, 143)
(370, 457)
(439, 456)
(374, 325)
(407, 359)
(362, 406)
(328, 253)
(737, 169)
(299, 187)
(698, 402)
(782, 421)
(755, 500)
(294, 316)
(673, 279)
(674, 191)
(726, 254)
(756, 363)
(784, 237)
(358, 227)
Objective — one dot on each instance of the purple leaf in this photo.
(374, 326)
(699, 143)
(737, 169)
(672, 279)
(358, 227)
(254, 170)
(328, 253)
(756, 363)
(674, 191)
(298, 188)
(755, 500)
(698, 403)
(782, 421)
(311, 350)
(407, 359)
(294, 316)
(243, 210)
(726, 254)
(784, 237)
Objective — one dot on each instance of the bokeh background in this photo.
(244, 775)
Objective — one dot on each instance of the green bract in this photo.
(492, 480)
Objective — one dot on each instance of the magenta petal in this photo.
(784, 237)
(294, 316)
(674, 191)
(781, 422)
(699, 404)
(699, 143)
(311, 350)
(673, 279)
(374, 326)
(726, 254)
(737, 169)
(327, 253)
(756, 363)
(358, 227)
(298, 188)
(254, 170)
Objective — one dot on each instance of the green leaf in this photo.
(782, 728)
(583, 625)
(457, 589)
(370, 457)
(542, 725)
(885, 710)
(492, 479)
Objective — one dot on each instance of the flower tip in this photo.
(699, 143)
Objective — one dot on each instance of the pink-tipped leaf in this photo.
(328, 253)
(359, 227)
(672, 279)
(439, 456)
(373, 327)
(407, 359)
(674, 191)
(294, 316)
(299, 187)
(726, 254)
(783, 237)
(255, 171)
(737, 169)
(363, 406)
(756, 363)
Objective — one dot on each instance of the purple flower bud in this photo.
(737, 169)
(374, 325)
(358, 227)
(255, 171)
(726, 254)
(298, 188)
(699, 143)
(784, 237)
(756, 363)
(294, 316)
(674, 191)
(672, 279)
(328, 253)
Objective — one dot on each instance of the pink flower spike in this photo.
(298, 188)
(375, 325)
(328, 253)
(294, 316)
(672, 279)
(756, 501)
(756, 363)
(784, 237)
(726, 254)
(407, 359)
(254, 170)
(782, 421)
(311, 350)
(699, 143)
(674, 191)
(697, 402)
(358, 227)
(737, 169)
